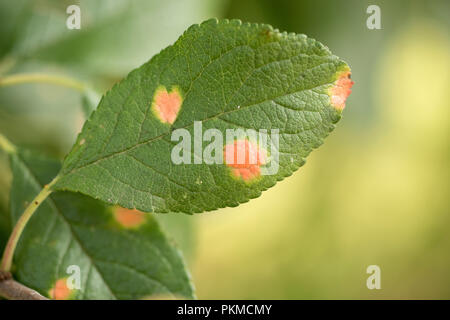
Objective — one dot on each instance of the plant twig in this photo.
(42, 78)
(20, 225)
(13, 290)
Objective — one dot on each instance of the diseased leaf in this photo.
(224, 75)
(122, 254)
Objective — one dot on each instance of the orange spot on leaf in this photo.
(129, 218)
(245, 159)
(341, 90)
(166, 105)
(60, 291)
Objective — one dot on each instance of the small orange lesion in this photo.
(60, 290)
(166, 105)
(129, 218)
(341, 89)
(245, 159)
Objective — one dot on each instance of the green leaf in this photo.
(227, 75)
(117, 261)
(5, 227)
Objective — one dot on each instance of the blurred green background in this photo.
(377, 192)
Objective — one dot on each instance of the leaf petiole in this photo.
(20, 226)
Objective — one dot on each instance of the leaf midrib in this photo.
(189, 125)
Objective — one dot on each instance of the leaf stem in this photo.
(42, 78)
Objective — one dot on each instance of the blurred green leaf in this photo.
(182, 229)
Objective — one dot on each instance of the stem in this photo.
(14, 290)
(43, 78)
(20, 225)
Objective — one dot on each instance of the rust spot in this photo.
(128, 218)
(245, 159)
(267, 33)
(4, 275)
(60, 291)
(82, 141)
(341, 90)
(166, 105)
